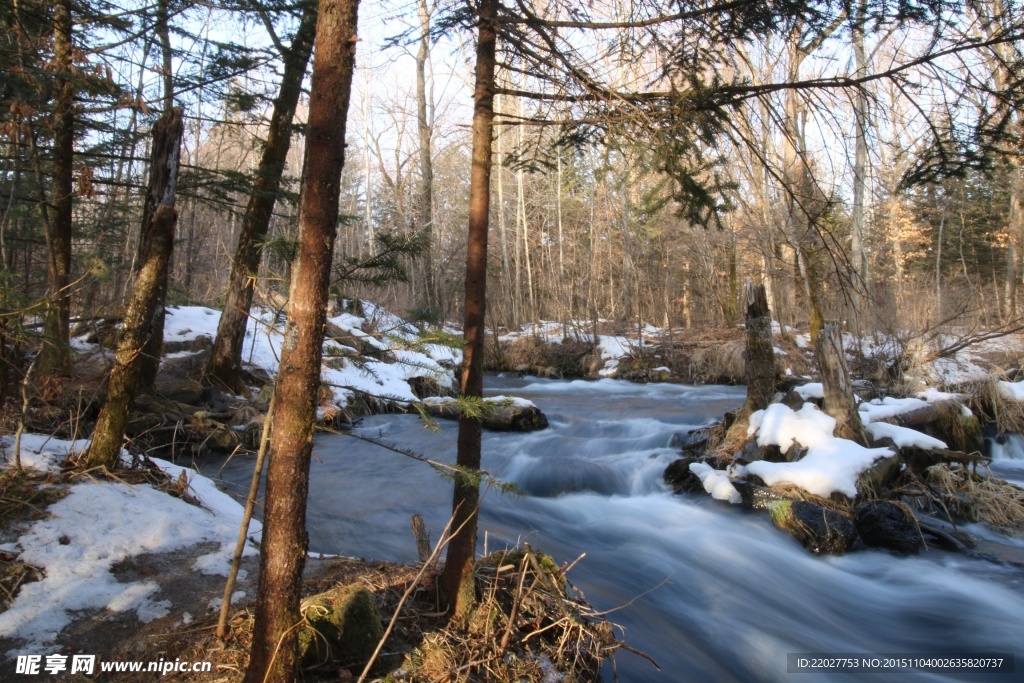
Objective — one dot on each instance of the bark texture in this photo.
(138, 325)
(274, 655)
(226, 358)
(458, 570)
(760, 363)
(760, 355)
(56, 351)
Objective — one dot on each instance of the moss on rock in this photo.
(343, 626)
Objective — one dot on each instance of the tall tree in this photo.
(424, 125)
(458, 568)
(226, 358)
(273, 657)
(56, 352)
(145, 304)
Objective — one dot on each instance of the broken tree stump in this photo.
(760, 367)
(839, 401)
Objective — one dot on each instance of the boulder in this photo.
(342, 627)
(817, 528)
(884, 524)
(693, 442)
(757, 497)
(750, 451)
(680, 478)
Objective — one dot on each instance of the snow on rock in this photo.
(782, 426)
(880, 409)
(904, 437)
(1013, 391)
(810, 390)
(831, 464)
(511, 400)
(716, 483)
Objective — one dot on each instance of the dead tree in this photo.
(839, 401)
(760, 363)
(138, 325)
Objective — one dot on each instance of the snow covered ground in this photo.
(100, 524)
(404, 356)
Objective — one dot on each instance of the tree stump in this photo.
(760, 367)
(839, 401)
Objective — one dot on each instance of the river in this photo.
(712, 592)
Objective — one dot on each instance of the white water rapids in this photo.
(712, 592)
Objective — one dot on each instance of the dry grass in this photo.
(531, 355)
(839, 503)
(979, 497)
(528, 622)
(988, 402)
(719, 362)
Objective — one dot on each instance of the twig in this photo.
(24, 412)
(441, 542)
(243, 529)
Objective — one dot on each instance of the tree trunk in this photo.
(858, 258)
(149, 358)
(839, 401)
(458, 570)
(226, 358)
(760, 363)
(138, 325)
(760, 357)
(56, 351)
(273, 657)
(423, 124)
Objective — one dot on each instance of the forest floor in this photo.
(182, 628)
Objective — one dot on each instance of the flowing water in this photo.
(712, 592)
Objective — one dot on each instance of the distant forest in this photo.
(861, 159)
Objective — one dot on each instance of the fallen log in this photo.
(501, 414)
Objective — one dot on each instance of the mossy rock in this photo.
(817, 528)
(343, 627)
(884, 524)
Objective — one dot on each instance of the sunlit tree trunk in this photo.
(139, 319)
(458, 571)
(226, 358)
(149, 359)
(273, 655)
